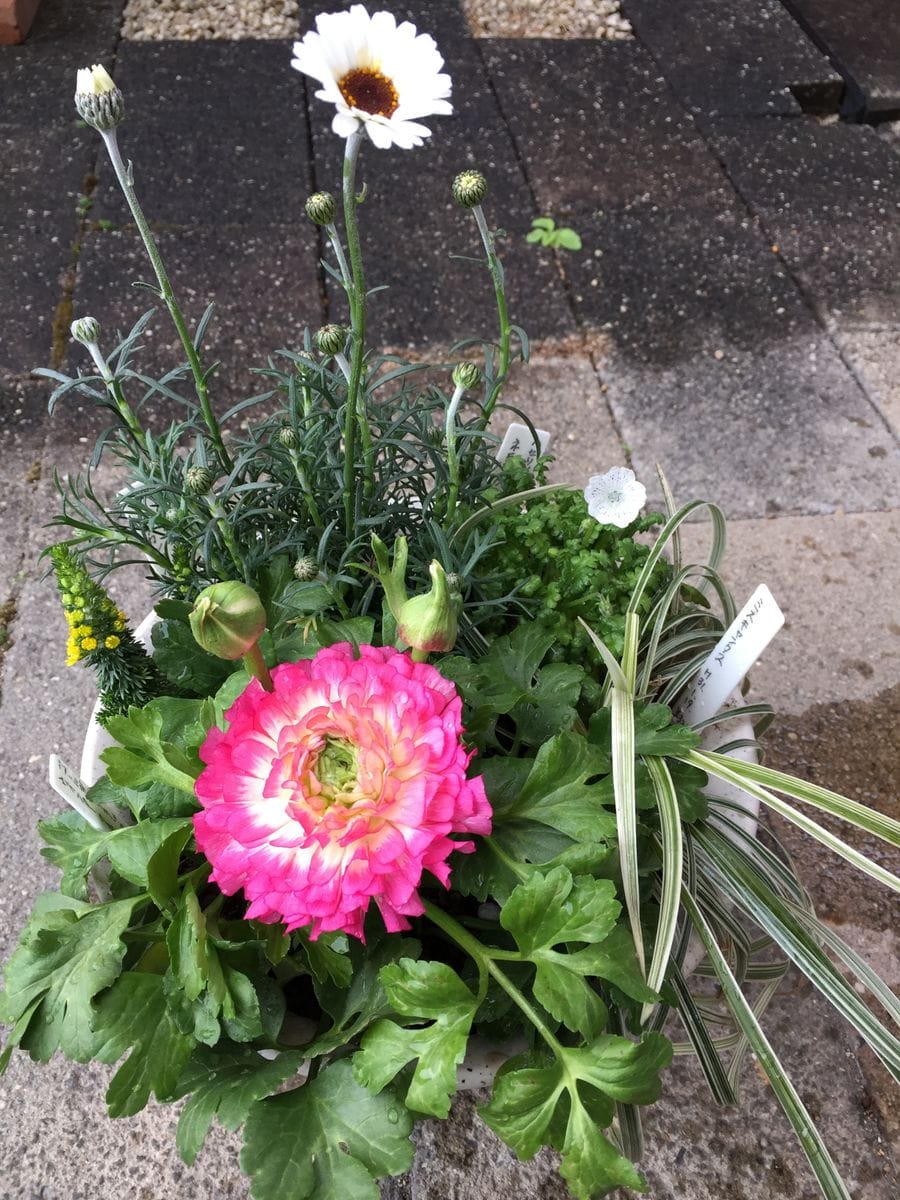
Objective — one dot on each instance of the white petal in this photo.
(343, 124)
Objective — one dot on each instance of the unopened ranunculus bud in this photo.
(429, 623)
(228, 619)
(320, 208)
(331, 339)
(306, 568)
(86, 330)
(288, 437)
(469, 188)
(198, 480)
(466, 375)
(97, 99)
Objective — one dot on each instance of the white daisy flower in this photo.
(615, 498)
(380, 75)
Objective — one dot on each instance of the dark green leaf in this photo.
(224, 1083)
(328, 1140)
(419, 990)
(134, 1015)
(68, 953)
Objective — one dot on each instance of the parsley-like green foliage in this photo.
(328, 1139)
(561, 564)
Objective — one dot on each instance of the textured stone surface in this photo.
(727, 57)
(784, 428)
(863, 39)
(836, 579)
(216, 131)
(829, 197)
(874, 354)
(563, 395)
(23, 429)
(263, 283)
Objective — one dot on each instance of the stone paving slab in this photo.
(775, 430)
(863, 40)
(23, 431)
(216, 131)
(730, 58)
(264, 285)
(836, 579)
(874, 354)
(829, 197)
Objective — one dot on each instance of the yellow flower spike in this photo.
(79, 602)
(111, 642)
(89, 643)
(118, 626)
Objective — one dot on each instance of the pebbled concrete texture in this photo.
(726, 57)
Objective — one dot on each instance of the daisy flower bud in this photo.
(466, 375)
(86, 330)
(97, 99)
(469, 188)
(331, 339)
(198, 480)
(320, 208)
(228, 619)
(306, 569)
(288, 437)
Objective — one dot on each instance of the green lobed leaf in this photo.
(328, 1140)
(419, 990)
(224, 1083)
(149, 749)
(65, 957)
(560, 790)
(133, 1015)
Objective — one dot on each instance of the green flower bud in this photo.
(289, 437)
(331, 339)
(97, 99)
(228, 619)
(306, 568)
(320, 208)
(466, 375)
(198, 480)
(86, 330)
(429, 623)
(469, 188)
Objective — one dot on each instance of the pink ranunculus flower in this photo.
(339, 787)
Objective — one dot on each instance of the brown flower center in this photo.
(369, 91)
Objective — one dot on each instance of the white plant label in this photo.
(733, 655)
(66, 783)
(518, 440)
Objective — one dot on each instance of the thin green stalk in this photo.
(305, 488)
(338, 249)
(256, 665)
(356, 406)
(496, 269)
(221, 519)
(114, 388)
(484, 958)
(452, 456)
(123, 175)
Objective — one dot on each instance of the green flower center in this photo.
(337, 770)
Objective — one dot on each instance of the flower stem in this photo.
(338, 249)
(256, 665)
(124, 409)
(356, 406)
(221, 519)
(452, 456)
(126, 183)
(496, 269)
(484, 960)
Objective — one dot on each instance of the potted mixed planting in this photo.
(414, 752)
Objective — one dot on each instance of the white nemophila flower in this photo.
(615, 498)
(381, 76)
